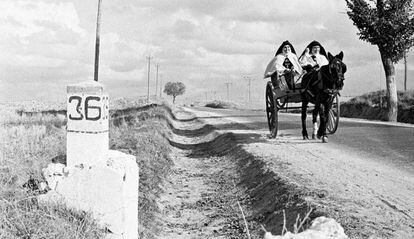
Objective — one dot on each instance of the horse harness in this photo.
(331, 92)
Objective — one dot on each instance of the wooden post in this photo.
(98, 41)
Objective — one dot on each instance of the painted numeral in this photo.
(87, 108)
(78, 107)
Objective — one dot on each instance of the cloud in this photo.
(203, 43)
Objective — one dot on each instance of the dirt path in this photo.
(367, 197)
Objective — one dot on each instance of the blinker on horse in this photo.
(321, 88)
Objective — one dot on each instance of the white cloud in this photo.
(27, 13)
(200, 42)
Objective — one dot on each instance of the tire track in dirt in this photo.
(211, 173)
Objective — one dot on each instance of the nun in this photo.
(284, 67)
(313, 57)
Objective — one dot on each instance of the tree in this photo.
(388, 24)
(174, 89)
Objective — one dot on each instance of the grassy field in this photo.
(28, 142)
(25, 149)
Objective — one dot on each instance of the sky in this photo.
(47, 44)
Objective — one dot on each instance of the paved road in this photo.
(393, 145)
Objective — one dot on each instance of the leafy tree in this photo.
(388, 24)
(174, 89)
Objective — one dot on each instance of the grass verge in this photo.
(29, 142)
(25, 150)
(143, 134)
(373, 106)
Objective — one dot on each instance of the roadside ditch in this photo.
(207, 182)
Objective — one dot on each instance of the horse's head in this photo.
(337, 70)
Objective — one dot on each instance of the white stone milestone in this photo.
(95, 179)
(88, 124)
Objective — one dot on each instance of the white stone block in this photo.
(53, 174)
(109, 192)
(86, 148)
(88, 123)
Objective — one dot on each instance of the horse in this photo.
(321, 87)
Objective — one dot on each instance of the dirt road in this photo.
(224, 157)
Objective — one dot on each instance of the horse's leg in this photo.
(319, 107)
(315, 122)
(323, 113)
(327, 107)
(304, 107)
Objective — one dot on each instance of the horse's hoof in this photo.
(305, 137)
(313, 136)
(324, 139)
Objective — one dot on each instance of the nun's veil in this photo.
(280, 50)
(315, 43)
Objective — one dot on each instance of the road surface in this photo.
(390, 144)
(364, 176)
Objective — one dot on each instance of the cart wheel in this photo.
(333, 117)
(271, 110)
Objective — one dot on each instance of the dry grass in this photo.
(27, 144)
(143, 136)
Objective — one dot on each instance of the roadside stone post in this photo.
(95, 179)
(87, 125)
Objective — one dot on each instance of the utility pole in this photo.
(227, 86)
(149, 69)
(249, 79)
(214, 94)
(249, 86)
(156, 81)
(405, 71)
(98, 41)
(160, 85)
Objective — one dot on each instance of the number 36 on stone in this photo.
(90, 107)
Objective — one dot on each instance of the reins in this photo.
(320, 74)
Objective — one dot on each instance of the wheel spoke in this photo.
(332, 120)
